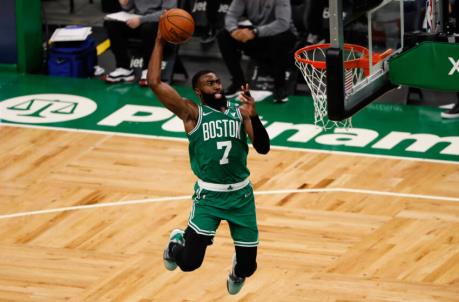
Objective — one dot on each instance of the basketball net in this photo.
(311, 62)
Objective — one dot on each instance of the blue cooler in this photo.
(72, 59)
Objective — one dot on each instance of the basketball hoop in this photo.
(311, 60)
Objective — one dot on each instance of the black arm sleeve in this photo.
(260, 136)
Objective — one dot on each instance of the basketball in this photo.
(177, 26)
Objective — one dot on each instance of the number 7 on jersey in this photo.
(226, 145)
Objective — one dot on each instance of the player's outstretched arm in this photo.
(183, 108)
(255, 129)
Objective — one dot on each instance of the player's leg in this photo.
(244, 231)
(186, 249)
(244, 265)
(246, 261)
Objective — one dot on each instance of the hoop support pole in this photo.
(334, 58)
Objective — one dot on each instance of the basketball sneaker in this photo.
(120, 75)
(233, 282)
(451, 113)
(98, 71)
(176, 237)
(208, 37)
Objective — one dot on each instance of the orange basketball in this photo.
(177, 26)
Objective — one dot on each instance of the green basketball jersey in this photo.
(218, 146)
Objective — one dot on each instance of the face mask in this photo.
(210, 100)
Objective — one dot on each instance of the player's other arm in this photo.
(167, 95)
(255, 129)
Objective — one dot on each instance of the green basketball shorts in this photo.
(236, 207)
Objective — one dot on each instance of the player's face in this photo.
(210, 83)
(210, 90)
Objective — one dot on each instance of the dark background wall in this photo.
(8, 48)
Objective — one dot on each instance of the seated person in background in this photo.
(270, 38)
(144, 27)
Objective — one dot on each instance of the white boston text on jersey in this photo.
(221, 128)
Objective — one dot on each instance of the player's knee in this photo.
(192, 255)
(247, 270)
(190, 265)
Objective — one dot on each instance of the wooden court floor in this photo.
(85, 217)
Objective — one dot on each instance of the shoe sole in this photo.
(228, 280)
(449, 116)
(235, 291)
(169, 265)
(118, 80)
(281, 101)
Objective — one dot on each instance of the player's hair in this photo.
(197, 75)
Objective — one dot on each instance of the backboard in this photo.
(351, 70)
(377, 25)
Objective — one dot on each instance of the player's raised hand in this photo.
(247, 101)
(159, 35)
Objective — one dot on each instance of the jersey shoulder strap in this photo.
(198, 123)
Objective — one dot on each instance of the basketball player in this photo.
(217, 132)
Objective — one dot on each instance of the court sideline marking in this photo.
(188, 197)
